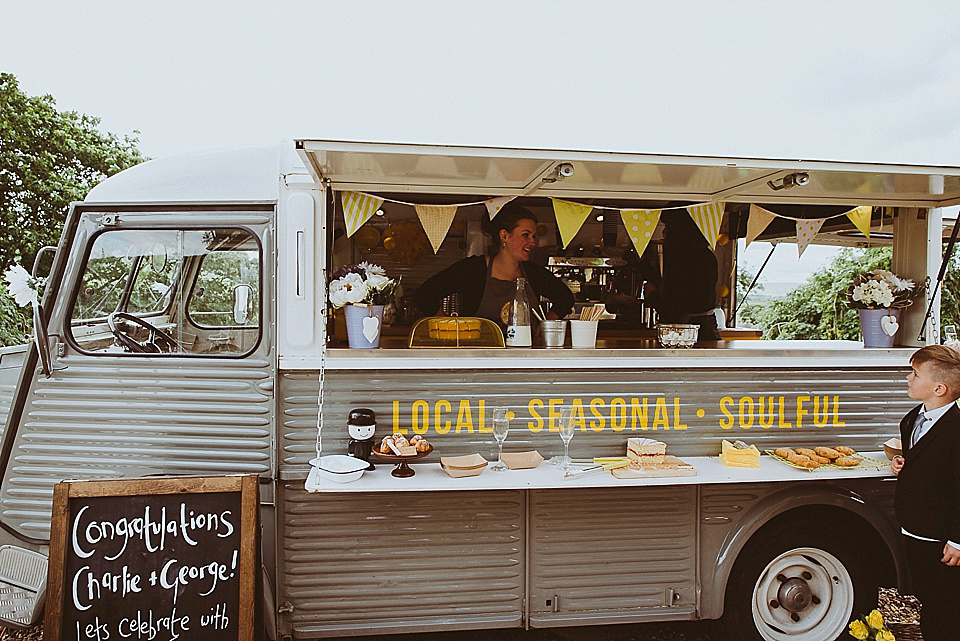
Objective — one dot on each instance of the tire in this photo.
(792, 585)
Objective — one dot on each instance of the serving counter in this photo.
(430, 477)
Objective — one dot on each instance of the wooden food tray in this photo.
(671, 466)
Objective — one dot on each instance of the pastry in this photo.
(783, 452)
(822, 460)
(847, 461)
(400, 440)
(803, 461)
(385, 445)
(846, 451)
(646, 451)
(452, 329)
(422, 445)
(827, 452)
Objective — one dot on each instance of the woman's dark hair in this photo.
(507, 219)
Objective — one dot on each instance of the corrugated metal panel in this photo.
(599, 550)
(118, 417)
(377, 563)
(864, 407)
(11, 360)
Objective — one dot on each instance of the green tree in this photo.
(48, 159)
(818, 309)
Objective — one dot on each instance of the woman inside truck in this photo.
(487, 284)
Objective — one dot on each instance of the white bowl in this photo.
(339, 468)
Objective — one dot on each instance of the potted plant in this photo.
(362, 291)
(879, 296)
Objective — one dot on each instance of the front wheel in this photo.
(793, 586)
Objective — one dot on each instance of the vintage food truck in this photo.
(184, 329)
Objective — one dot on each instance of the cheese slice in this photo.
(734, 457)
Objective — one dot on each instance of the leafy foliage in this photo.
(48, 159)
(819, 309)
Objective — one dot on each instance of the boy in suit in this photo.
(928, 488)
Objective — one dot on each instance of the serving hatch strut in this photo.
(943, 271)
(773, 246)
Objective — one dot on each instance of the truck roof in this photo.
(254, 175)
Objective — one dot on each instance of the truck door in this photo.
(162, 357)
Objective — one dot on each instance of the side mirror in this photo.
(241, 303)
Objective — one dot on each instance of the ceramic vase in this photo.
(872, 325)
(364, 323)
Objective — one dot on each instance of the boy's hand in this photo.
(951, 555)
(897, 464)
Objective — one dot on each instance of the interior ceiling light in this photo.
(799, 178)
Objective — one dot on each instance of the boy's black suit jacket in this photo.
(928, 486)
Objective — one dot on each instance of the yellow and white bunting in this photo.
(357, 209)
(806, 230)
(708, 218)
(436, 221)
(860, 217)
(758, 220)
(640, 224)
(494, 205)
(570, 217)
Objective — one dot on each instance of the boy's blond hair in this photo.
(944, 364)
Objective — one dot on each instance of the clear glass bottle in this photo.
(519, 332)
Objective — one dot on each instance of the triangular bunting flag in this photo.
(570, 217)
(640, 224)
(357, 209)
(494, 205)
(708, 218)
(860, 217)
(806, 230)
(757, 222)
(436, 220)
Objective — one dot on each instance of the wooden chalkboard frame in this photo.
(248, 563)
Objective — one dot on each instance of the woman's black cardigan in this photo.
(468, 278)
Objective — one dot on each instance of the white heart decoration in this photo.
(889, 325)
(371, 328)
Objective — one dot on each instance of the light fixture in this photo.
(379, 212)
(599, 218)
(798, 179)
(564, 170)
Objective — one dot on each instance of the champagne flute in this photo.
(566, 428)
(501, 427)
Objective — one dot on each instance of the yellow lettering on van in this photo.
(836, 413)
(438, 417)
(783, 424)
(537, 423)
(725, 403)
(464, 417)
(638, 413)
(800, 411)
(553, 414)
(396, 419)
(766, 411)
(483, 429)
(660, 415)
(745, 410)
(618, 414)
(820, 419)
(579, 421)
(421, 407)
(601, 421)
(677, 425)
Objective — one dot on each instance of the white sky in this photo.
(867, 81)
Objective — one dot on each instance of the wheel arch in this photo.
(847, 509)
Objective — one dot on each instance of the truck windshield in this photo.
(193, 291)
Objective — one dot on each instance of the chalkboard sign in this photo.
(154, 559)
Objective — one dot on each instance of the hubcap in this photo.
(805, 593)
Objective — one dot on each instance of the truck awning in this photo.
(488, 171)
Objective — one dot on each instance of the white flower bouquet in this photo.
(363, 284)
(881, 289)
(24, 288)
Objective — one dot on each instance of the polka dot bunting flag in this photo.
(806, 230)
(640, 224)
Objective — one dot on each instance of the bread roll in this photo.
(846, 451)
(827, 452)
(847, 461)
